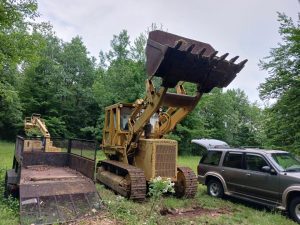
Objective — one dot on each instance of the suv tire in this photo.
(294, 209)
(215, 188)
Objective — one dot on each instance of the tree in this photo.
(59, 86)
(78, 104)
(121, 77)
(17, 47)
(283, 65)
(227, 116)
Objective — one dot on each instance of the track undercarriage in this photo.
(126, 180)
(130, 182)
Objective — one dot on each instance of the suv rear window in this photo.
(211, 158)
(233, 160)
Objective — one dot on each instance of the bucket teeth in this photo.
(202, 52)
(223, 56)
(190, 49)
(175, 59)
(178, 44)
(213, 55)
(233, 59)
(241, 65)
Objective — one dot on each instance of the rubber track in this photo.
(137, 179)
(191, 182)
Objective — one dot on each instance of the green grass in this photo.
(9, 213)
(190, 161)
(128, 212)
(6, 154)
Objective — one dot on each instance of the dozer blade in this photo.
(50, 195)
(175, 58)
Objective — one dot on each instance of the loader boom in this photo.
(179, 105)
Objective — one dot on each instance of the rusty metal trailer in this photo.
(54, 187)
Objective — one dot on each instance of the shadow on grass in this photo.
(256, 206)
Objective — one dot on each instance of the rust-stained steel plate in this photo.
(176, 58)
(84, 165)
(50, 194)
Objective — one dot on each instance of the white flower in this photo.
(120, 198)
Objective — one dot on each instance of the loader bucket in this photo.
(175, 58)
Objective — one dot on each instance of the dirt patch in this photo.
(195, 211)
(98, 219)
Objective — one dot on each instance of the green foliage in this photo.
(283, 62)
(59, 87)
(6, 154)
(121, 74)
(15, 40)
(56, 126)
(158, 187)
(129, 212)
(10, 113)
(33, 132)
(9, 207)
(17, 47)
(61, 82)
(43, 74)
(228, 116)
(283, 65)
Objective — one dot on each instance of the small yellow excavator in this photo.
(133, 133)
(35, 121)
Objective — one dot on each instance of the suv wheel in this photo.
(215, 188)
(294, 209)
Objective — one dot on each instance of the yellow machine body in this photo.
(32, 145)
(157, 158)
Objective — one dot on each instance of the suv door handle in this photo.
(222, 170)
(248, 174)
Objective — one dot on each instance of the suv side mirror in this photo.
(268, 169)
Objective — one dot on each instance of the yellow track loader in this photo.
(133, 133)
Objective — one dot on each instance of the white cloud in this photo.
(247, 28)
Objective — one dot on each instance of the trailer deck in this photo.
(55, 187)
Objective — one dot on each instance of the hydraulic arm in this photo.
(35, 121)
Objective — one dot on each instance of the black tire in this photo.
(215, 188)
(294, 209)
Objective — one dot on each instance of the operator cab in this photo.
(124, 118)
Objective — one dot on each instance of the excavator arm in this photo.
(36, 121)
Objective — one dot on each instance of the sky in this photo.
(247, 28)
